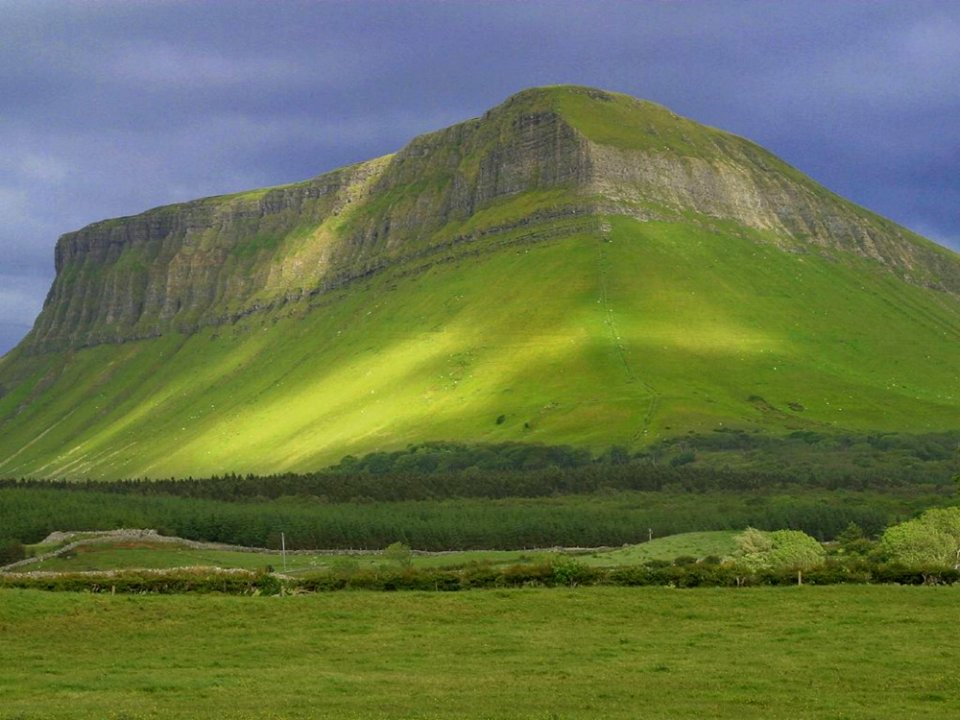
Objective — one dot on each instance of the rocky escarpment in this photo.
(747, 185)
(183, 266)
(210, 261)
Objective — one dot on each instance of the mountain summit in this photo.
(575, 266)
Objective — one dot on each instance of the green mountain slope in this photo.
(574, 267)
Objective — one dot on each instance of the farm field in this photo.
(122, 554)
(125, 555)
(828, 652)
(719, 543)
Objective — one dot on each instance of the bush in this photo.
(836, 574)
(268, 584)
(903, 575)
(479, 575)
(569, 572)
(655, 563)
(11, 551)
(399, 553)
(636, 575)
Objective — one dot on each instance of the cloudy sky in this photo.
(110, 108)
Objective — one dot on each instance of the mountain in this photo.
(575, 266)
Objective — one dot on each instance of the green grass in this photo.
(699, 545)
(664, 330)
(139, 554)
(834, 652)
(626, 122)
(124, 555)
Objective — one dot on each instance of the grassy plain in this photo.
(699, 545)
(830, 652)
(122, 554)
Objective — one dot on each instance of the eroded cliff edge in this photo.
(572, 151)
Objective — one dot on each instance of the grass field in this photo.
(656, 333)
(834, 652)
(718, 543)
(124, 554)
(146, 555)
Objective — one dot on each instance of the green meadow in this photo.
(135, 553)
(831, 652)
(122, 555)
(644, 331)
(716, 543)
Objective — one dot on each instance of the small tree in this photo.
(399, 553)
(947, 521)
(778, 550)
(853, 541)
(917, 543)
(795, 549)
(753, 542)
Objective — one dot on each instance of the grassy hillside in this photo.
(490, 282)
(851, 652)
(622, 334)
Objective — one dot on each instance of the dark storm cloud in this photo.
(108, 108)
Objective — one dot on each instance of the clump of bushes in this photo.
(164, 582)
(563, 572)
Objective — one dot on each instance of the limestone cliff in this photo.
(213, 260)
(199, 262)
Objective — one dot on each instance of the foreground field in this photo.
(835, 652)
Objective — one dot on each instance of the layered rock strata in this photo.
(212, 260)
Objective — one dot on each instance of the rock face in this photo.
(213, 260)
(180, 266)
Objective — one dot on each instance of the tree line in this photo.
(437, 471)
(28, 514)
(439, 496)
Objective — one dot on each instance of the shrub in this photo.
(780, 549)
(399, 553)
(268, 584)
(638, 575)
(11, 551)
(567, 571)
